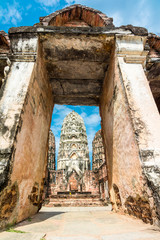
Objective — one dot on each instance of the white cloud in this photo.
(11, 14)
(143, 13)
(117, 18)
(57, 144)
(91, 122)
(28, 6)
(1, 13)
(92, 119)
(69, 2)
(60, 111)
(48, 3)
(90, 135)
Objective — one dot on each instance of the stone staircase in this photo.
(74, 200)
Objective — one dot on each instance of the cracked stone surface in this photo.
(82, 223)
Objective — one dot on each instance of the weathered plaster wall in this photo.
(28, 147)
(13, 94)
(106, 112)
(144, 115)
(126, 181)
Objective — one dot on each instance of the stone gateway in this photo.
(77, 56)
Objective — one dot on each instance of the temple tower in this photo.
(98, 156)
(73, 148)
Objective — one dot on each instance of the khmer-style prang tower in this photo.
(73, 149)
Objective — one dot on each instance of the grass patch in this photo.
(14, 230)
(10, 228)
(29, 219)
(42, 239)
(10, 225)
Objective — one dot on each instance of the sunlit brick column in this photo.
(25, 110)
(130, 128)
(142, 108)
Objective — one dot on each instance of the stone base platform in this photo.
(78, 199)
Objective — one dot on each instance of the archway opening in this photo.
(72, 179)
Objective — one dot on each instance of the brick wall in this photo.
(78, 13)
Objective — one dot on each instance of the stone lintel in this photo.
(80, 100)
(67, 30)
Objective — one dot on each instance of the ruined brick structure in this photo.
(51, 161)
(99, 165)
(51, 151)
(98, 156)
(73, 189)
(96, 64)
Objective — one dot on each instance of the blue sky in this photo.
(144, 13)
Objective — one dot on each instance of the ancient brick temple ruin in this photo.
(98, 155)
(51, 151)
(74, 184)
(99, 164)
(51, 160)
(77, 56)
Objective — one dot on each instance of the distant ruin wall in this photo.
(51, 151)
(98, 155)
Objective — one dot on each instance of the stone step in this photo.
(74, 196)
(73, 200)
(74, 204)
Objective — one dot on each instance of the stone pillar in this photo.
(25, 110)
(130, 124)
(143, 110)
